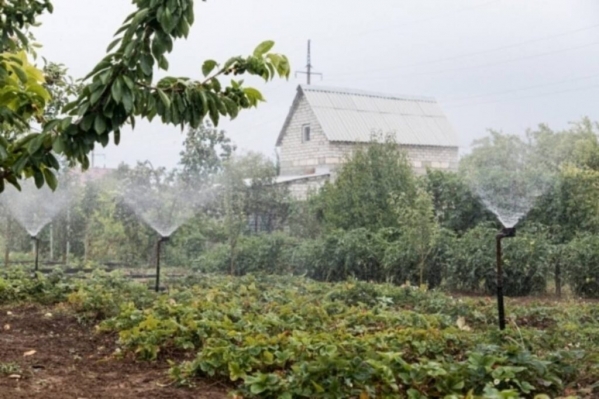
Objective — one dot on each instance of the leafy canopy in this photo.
(119, 89)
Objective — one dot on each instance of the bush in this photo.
(473, 262)
(268, 253)
(582, 265)
(344, 254)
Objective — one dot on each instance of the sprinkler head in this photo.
(164, 239)
(507, 232)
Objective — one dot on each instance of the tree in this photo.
(119, 89)
(359, 196)
(205, 151)
(248, 196)
(456, 206)
(419, 229)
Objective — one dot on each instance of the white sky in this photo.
(501, 64)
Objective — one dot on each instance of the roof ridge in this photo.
(365, 93)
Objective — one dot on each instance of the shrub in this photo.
(473, 262)
(268, 253)
(582, 263)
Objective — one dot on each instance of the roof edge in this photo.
(340, 90)
(294, 105)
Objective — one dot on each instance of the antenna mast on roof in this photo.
(308, 72)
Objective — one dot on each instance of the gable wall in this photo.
(296, 157)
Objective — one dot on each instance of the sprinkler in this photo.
(37, 252)
(158, 245)
(506, 232)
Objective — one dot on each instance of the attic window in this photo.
(305, 133)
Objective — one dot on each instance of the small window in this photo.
(305, 133)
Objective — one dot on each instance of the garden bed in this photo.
(72, 361)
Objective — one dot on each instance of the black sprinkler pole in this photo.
(504, 233)
(158, 245)
(37, 252)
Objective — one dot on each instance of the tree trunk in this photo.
(558, 279)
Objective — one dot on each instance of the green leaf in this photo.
(65, 123)
(20, 73)
(117, 90)
(263, 48)
(117, 137)
(113, 44)
(48, 127)
(163, 63)
(208, 67)
(215, 84)
(127, 100)
(35, 144)
(158, 46)
(96, 95)
(52, 161)
(164, 98)
(38, 177)
(3, 153)
(99, 124)
(20, 164)
(147, 64)
(253, 95)
(58, 146)
(232, 108)
(50, 179)
(141, 14)
(69, 107)
(87, 121)
(22, 37)
(13, 180)
(101, 66)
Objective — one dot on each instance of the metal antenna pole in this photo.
(309, 65)
(308, 72)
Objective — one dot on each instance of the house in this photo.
(325, 124)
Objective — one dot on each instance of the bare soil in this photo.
(72, 361)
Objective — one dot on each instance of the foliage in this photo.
(205, 151)
(360, 195)
(582, 262)
(249, 199)
(18, 286)
(419, 230)
(264, 253)
(119, 89)
(473, 264)
(457, 208)
(289, 337)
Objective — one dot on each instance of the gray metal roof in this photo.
(354, 116)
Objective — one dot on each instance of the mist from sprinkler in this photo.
(164, 206)
(33, 208)
(508, 177)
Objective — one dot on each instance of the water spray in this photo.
(36, 241)
(506, 232)
(158, 247)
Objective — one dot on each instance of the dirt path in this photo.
(71, 361)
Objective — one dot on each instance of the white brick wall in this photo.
(297, 157)
(301, 189)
